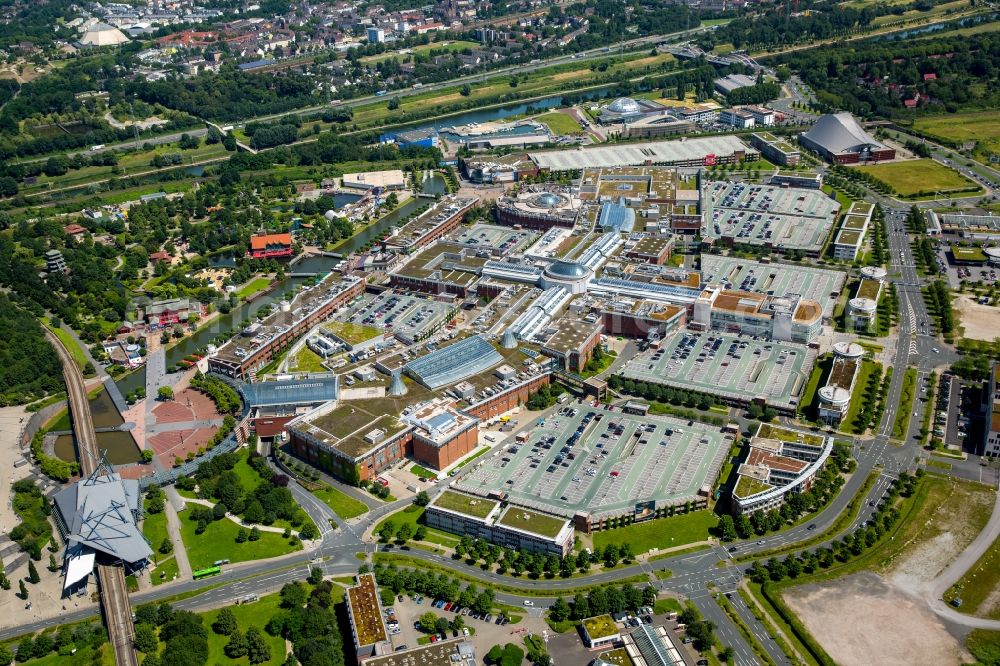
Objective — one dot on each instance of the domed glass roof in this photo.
(566, 269)
(624, 105)
(547, 200)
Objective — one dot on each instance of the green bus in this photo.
(205, 573)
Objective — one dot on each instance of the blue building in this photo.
(616, 216)
(422, 138)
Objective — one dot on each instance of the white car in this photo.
(529, 602)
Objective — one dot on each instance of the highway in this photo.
(111, 579)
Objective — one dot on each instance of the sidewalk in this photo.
(174, 531)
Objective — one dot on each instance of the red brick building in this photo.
(268, 246)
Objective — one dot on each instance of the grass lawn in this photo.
(660, 533)
(450, 47)
(560, 123)
(939, 464)
(857, 397)
(154, 528)
(253, 286)
(342, 504)
(165, 571)
(905, 403)
(919, 177)
(413, 515)
(85, 656)
(74, 349)
(667, 606)
(980, 126)
(984, 645)
(309, 361)
(218, 542)
(423, 471)
(977, 588)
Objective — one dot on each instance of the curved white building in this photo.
(835, 397)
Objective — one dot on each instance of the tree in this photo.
(727, 528)
(166, 546)
(254, 534)
(405, 532)
(420, 533)
(165, 393)
(315, 575)
(32, 573)
(422, 498)
(237, 646)
(464, 91)
(428, 622)
(441, 625)
(241, 536)
(393, 104)
(386, 530)
(258, 651)
(559, 612)
(147, 456)
(225, 623)
(53, 565)
(145, 639)
(293, 595)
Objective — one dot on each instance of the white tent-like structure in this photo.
(98, 518)
(102, 34)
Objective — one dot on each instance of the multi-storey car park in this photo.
(498, 240)
(692, 152)
(777, 218)
(440, 219)
(591, 465)
(816, 284)
(738, 369)
(780, 461)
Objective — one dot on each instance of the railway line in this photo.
(114, 595)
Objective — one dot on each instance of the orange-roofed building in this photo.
(267, 246)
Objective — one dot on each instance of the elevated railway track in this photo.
(115, 604)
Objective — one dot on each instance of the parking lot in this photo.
(595, 460)
(763, 215)
(736, 367)
(504, 240)
(484, 634)
(409, 317)
(776, 279)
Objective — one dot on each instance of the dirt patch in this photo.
(980, 322)
(860, 619)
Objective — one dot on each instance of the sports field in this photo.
(603, 462)
(919, 177)
(724, 365)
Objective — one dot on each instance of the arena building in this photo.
(781, 461)
(841, 140)
(536, 208)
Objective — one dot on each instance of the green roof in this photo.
(600, 626)
(350, 333)
(786, 435)
(477, 507)
(869, 289)
(747, 486)
(968, 253)
(531, 521)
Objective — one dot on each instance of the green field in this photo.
(74, 349)
(905, 403)
(342, 504)
(450, 47)
(980, 126)
(977, 588)
(660, 533)
(253, 286)
(923, 177)
(219, 542)
(154, 528)
(412, 515)
(560, 123)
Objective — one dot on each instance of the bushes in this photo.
(34, 531)
(226, 400)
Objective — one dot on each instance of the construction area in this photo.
(739, 369)
(585, 459)
(815, 284)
